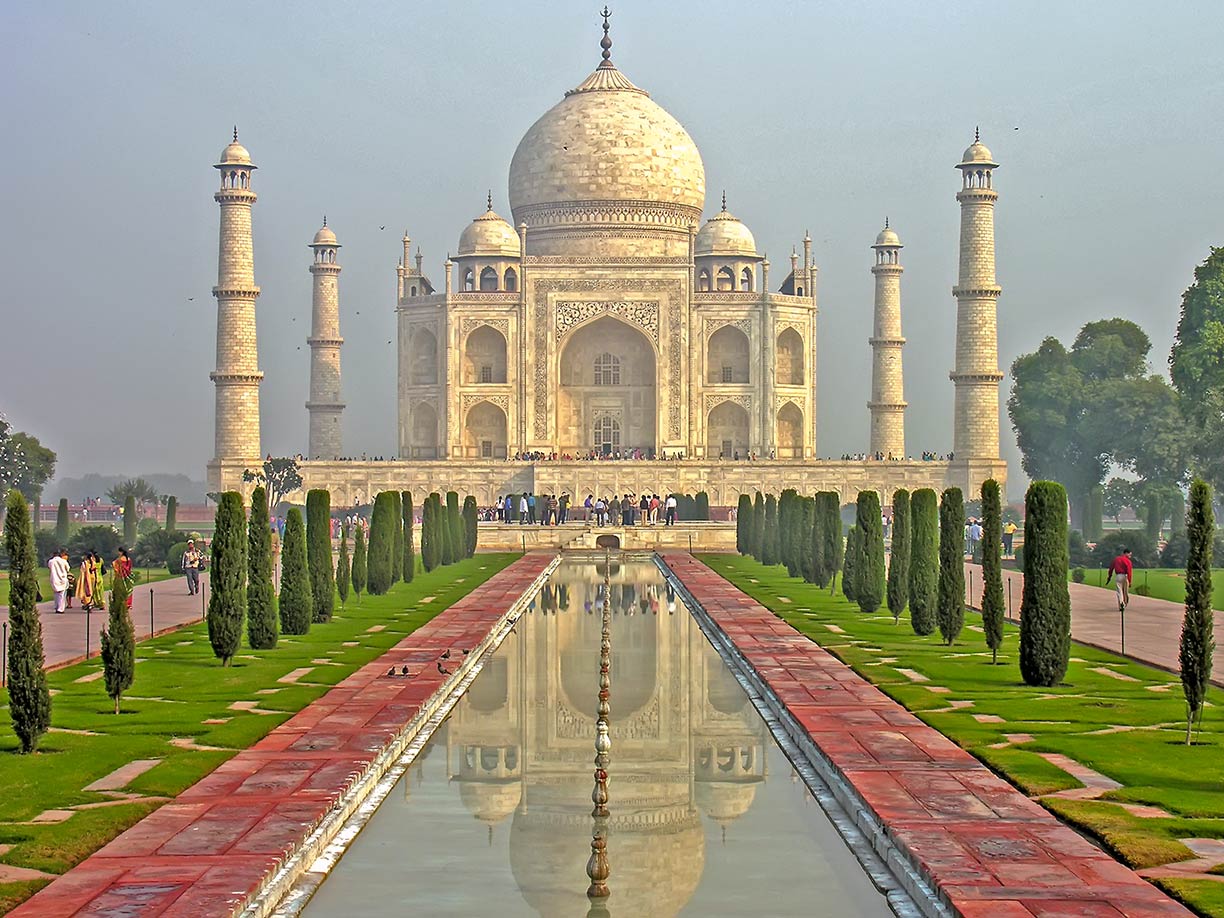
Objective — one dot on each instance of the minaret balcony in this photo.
(977, 290)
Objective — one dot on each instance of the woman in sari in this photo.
(121, 569)
(85, 582)
(99, 567)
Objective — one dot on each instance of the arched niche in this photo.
(424, 428)
(423, 358)
(484, 432)
(727, 431)
(484, 356)
(790, 432)
(727, 356)
(788, 360)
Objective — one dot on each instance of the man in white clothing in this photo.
(58, 566)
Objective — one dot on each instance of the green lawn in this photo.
(179, 685)
(1163, 583)
(1142, 708)
(143, 575)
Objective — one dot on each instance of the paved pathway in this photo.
(211, 851)
(1153, 626)
(64, 636)
(989, 850)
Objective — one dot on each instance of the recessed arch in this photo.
(423, 359)
(424, 431)
(488, 280)
(790, 432)
(746, 280)
(484, 432)
(727, 431)
(728, 356)
(725, 279)
(484, 356)
(510, 281)
(788, 360)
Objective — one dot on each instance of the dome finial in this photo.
(977, 135)
(235, 133)
(885, 223)
(489, 199)
(325, 219)
(606, 41)
(724, 200)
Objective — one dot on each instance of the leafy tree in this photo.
(1197, 370)
(29, 696)
(25, 464)
(702, 506)
(470, 526)
(899, 558)
(409, 563)
(296, 599)
(228, 566)
(261, 597)
(344, 568)
(743, 525)
(61, 521)
(360, 570)
(431, 547)
(924, 560)
(382, 543)
(455, 520)
(118, 645)
(397, 544)
(1118, 495)
(951, 609)
(129, 521)
(319, 555)
(151, 548)
(992, 568)
(869, 565)
(1197, 636)
(758, 528)
(1045, 609)
(171, 513)
(279, 476)
(102, 539)
(137, 489)
(850, 564)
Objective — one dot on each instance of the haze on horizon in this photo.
(822, 117)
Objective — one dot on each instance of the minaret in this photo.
(976, 376)
(237, 375)
(887, 403)
(325, 405)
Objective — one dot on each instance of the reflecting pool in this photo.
(706, 814)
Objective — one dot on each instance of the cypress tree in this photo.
(29, 697)
(743, 525)
(924, 560)
(835, 545)
(382, 544)
(816, 542)
(172, 514)
(118, 645)
(850, 564)
(227, 576)
(261, 598)
(61, 521)
(992, 568)
(397, 542)
(789, 534)
(869, 565)
(344, 569)
(770, 533)
(442, 523)
(319, 555)
(758, 528)
(1153, 515)
(951, 608)
(455, 520)
(1197, 639)
(409, 562)
(1045, 609)
(782, 522)
(431, 549)
(359, 562)
(129, 521)
(701, 509)
(807, 524)
(470, 528)
(295, 594)
(899, 557)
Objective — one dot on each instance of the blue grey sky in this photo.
(1104, 117)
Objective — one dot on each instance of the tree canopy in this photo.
(25, 464)
(1196, 365)
(136, 488)
(279, 476)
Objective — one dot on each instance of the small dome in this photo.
(490, 802)
(324, 236)
(725, 801)
(489, 234)
(235, 155)
(724, 234)
(887, 237)
(978, 154)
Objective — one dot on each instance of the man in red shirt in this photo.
(1122, 569)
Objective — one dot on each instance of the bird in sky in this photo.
(190, 299)
(382, 227)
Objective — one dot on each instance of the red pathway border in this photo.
(209, 851)
(988, 849)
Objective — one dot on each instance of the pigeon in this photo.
(446, 656)
(391, 671)
(442, 669)
(466, 652)
(404, 671)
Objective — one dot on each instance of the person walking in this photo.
(1009, 537)
(1123, 572)
(564, 511)
(531, 509)
(121, 569)
(191, 567)
(58, 569)
(975, 537)
(670, 508)
(524, 508)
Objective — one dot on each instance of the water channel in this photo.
(706, 815)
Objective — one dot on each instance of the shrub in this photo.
(228, 564)
(1077, 549)
(869, 565)
(151, 548)
(295, 594)
(118, 645)
(360, 569)
(1143, 553)
(261, 598)
(171, 513)
(344, 570)
(102, 539)
(1176, 552)
(319, 554)
(1045, 609)
(174, 557)
(409, 562)
(145, 525)
(950, 611)
(1197, 636)
(382, 544)
(992, 572)
(454, 519)
(47, 543)
(1078, 575)
(470, 528)
(129, 521)
(924, 560)
(28, 694)
(61, 521)
(701, 506)
(743, 525)
(397, 542)
(899, 557)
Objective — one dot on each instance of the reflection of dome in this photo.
(723, 690)
(724, 801)
(490, 801)
(489, 234)
(655, 868)
(724, 234)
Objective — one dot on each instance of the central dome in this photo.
(607, 171)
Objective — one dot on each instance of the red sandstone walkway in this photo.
(208, 852)
(988, 849)
(1153, 626)
(64, 635)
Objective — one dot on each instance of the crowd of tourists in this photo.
(553, 510)
(87, 583)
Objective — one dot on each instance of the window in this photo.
(607, 370)
(469, 280)
(486, 374)
(728, 373)
(726, 279)
(511, 281)
(703, 281)
(607, 434)
(488, 280)
(746, 280)
(486, 449)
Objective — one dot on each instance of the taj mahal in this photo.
(605, 327)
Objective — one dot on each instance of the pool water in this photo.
(707, 816)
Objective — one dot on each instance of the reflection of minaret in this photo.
(887, 389)
(325, 405)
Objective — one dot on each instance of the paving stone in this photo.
(1106, 671)
(123, 776)
(988, 719)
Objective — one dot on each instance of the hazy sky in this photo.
(1104, 116)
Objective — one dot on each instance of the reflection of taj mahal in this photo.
(605, 318)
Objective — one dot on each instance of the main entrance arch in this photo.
(606, 391)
